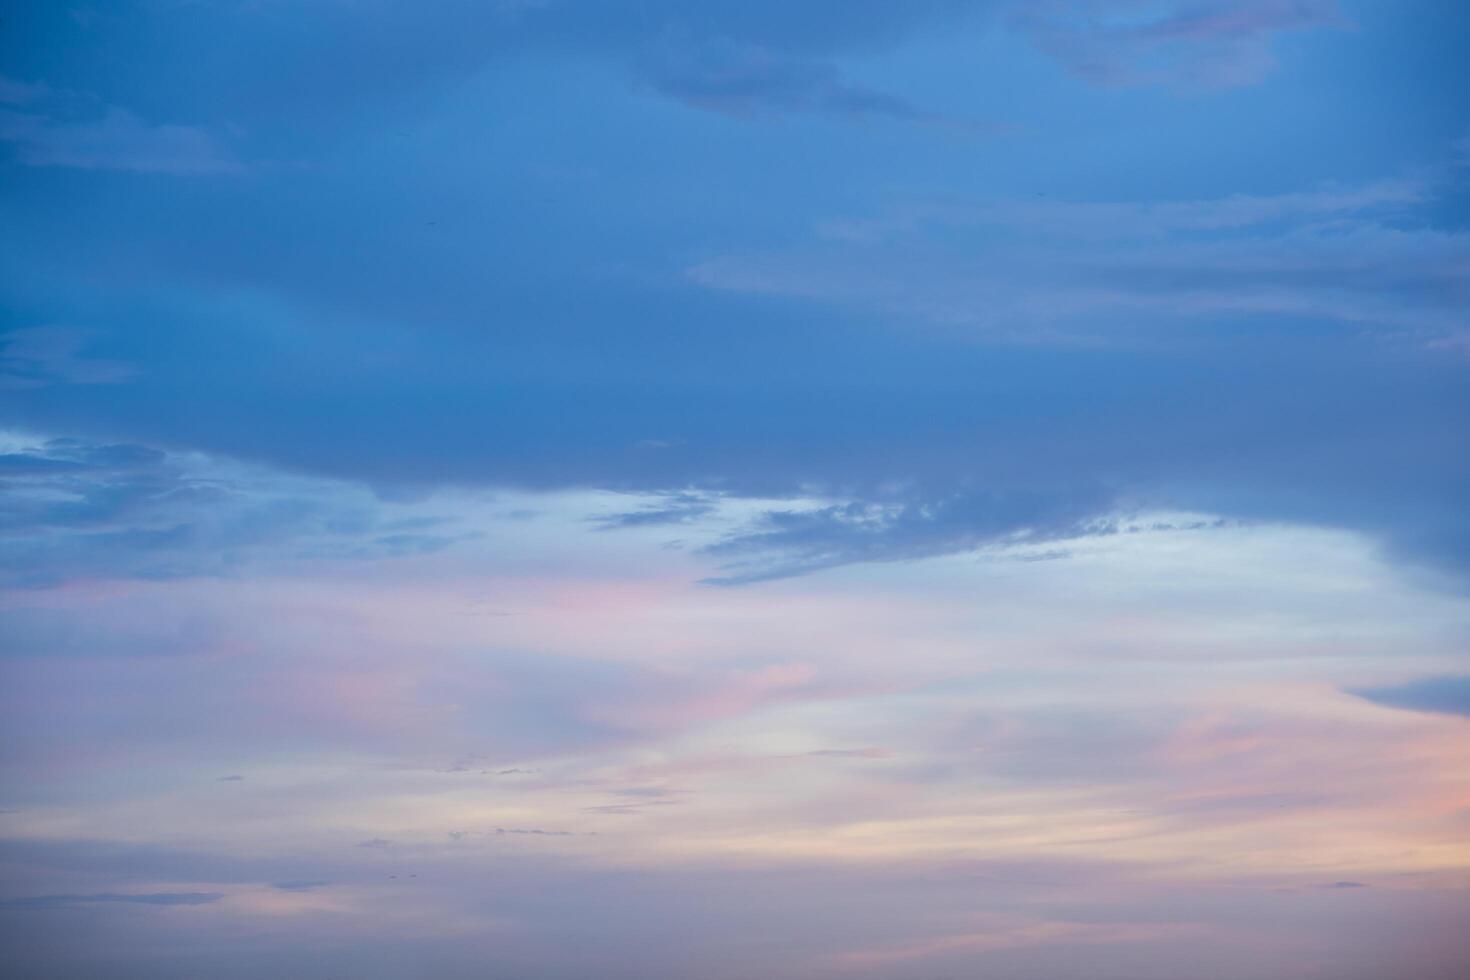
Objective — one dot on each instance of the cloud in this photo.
(1310, 275)
(1442, 695)
(1015, 934)
(76, 509)
(848, 754)
(1103, 272)
(41, 902)
(13, 91)
(787, 542)
(749, 81)
(122, 628)
(626, 809)
(651, 792)
(679, 508)
(118, 140)
(1209, 44)
(722, 55)
(742, 59)
(928, 344)
(33, 357)
(299, 886)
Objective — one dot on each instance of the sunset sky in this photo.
(735, 489)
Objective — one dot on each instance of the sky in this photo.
(804, 490)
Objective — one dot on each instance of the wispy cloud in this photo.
(1209, 44)
(847, 754)
(679, 508)
(1012, 934)
(1087, 273)
(78, 509)
(33, 357)
(39, 902)
(57, 129)
(299, 886)
(1441, 695)
(746, 81)
(794, 542)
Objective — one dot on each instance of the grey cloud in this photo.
(787, 543)
(74, 509)
(459, 835)
(13, 91)
(741, 58)
(32, 357)
(679, 508)
(414, 544)
(1382, 200)
(299, 886)
(746, 81)
(1442, 695)
(38, 902)
(848, 754)
(117, 140)
(1121, 273)
(1211, 44)
(65, 857)
(1317, 272)
(113, 628)
(627, 809)
(651, 792)
(445, 41)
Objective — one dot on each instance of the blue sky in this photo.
(665, 397)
